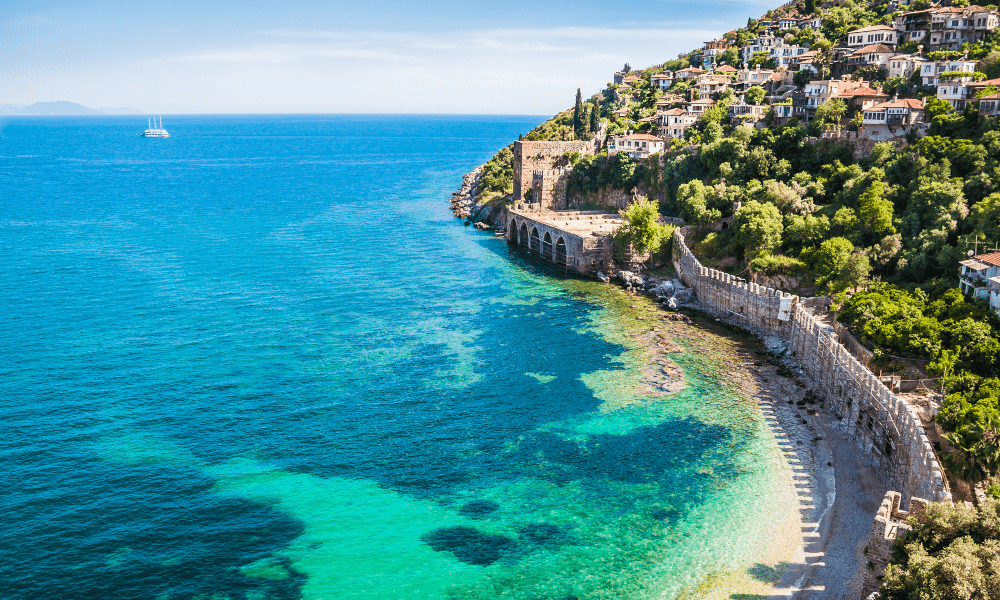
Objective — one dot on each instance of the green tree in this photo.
(640, 229)
(755, 95)
(937, 106)
(831, 258)
(875, 211)
(829, 114)
(855, 271)
(952, 553)
(693, 199)
(595, 117)
(578, 114)
(757, 227)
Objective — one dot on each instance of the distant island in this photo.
(62, 107)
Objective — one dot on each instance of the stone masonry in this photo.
(890, 523)
(548, 187)
(577, 241)
(883, 426)
(532, 156)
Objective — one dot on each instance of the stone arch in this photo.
(522, 237)
(560, 255)
(512, 232)
(547, 246)
(725, 225)
(536, 244)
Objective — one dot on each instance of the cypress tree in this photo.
(578, 114)
(595, 117)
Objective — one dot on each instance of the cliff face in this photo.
(465, 203)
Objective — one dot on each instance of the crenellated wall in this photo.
(548, 187)
(882, 425)
(888, 525)
(531, 156)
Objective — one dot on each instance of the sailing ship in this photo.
(156, 130)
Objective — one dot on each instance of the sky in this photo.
(359, 56)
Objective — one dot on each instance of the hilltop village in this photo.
(827, 174)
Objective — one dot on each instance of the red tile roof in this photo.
(872, 28)
(643, 137)
(876, 48)
(910, 103)
(993, 258)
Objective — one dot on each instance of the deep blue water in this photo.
(260, 359)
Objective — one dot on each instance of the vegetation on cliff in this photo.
(952, 553)
(881, 230)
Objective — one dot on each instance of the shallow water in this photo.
(260, 359)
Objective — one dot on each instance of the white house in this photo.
(903, 65)
(891, 119)
(810, 23)
(762, 43)
(873, 55)
(688, 73)
(989, 106)
(636, 145)
(674, 122)
(930, 70)
(873, 34)
(979, 277)
(662, 80)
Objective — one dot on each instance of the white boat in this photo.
(156, 130)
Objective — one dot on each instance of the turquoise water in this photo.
(260, 359)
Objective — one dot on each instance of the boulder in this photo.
(683, 296)
(603, 278)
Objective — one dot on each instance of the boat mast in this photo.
(149, 124)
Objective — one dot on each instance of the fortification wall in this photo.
(882, 425)
(548, 188)
(531, 156)
(889, 524)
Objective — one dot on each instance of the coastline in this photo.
(784, 567)
(818, 551)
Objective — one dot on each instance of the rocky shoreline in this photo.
(466, 202)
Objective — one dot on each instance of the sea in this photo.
(261, 359)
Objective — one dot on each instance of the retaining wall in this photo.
(883, 426)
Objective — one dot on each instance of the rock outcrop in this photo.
(465, 203)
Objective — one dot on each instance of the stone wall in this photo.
(888, 525)
(883, 426)
(532, 156)
(528, 228)
(548, 187)
(604, 197)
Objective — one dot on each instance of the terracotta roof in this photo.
(691, 70)
(860, 91)
(726, 69)
(879, 48)
(703, 101)
(661, 76)
(630, 78)
(643, 137)
(673, 112)
(910, 103)
(991, 97)
(872, 28)
(993, 258)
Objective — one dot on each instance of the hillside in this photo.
(842, 149)
(62, 107)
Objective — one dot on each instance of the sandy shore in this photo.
(820, 549)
